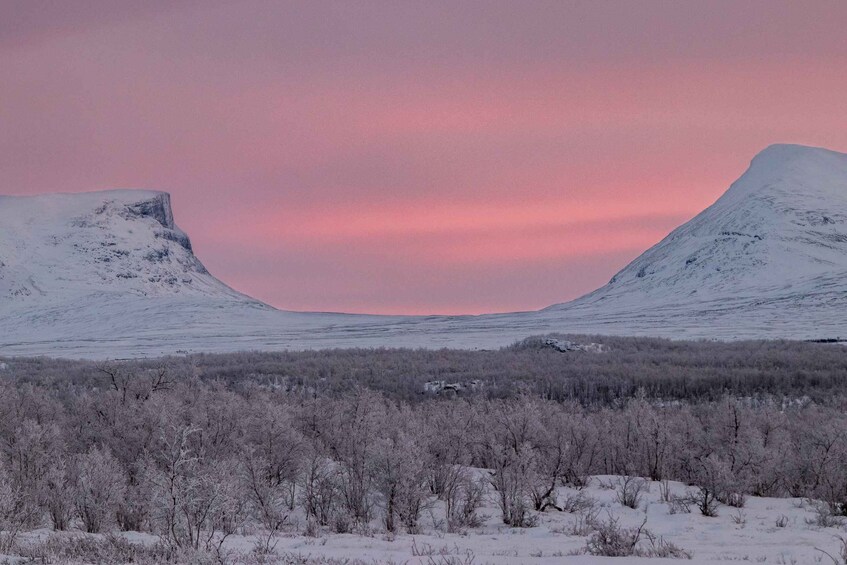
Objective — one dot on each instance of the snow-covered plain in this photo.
(766, 530)
(109, 275)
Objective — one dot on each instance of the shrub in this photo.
(612, 540)
(680, 504)
(823, 516)
(65, 548)
(577, 502)
(585, 522)
(464, 498)
(630, 490)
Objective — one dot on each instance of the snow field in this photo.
(780, 531)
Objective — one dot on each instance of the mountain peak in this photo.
(790, 177)
(791, 150)
(807, 164)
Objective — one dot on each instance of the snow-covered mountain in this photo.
(105, 274)
(781, 227)
(70, 246)
(769, 258)
(108, 274)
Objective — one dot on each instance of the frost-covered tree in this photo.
(401, 465)
(100, 487)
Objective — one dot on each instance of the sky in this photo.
(415, 157)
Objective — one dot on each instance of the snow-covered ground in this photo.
(110, 275)
(766, 530)
(747, 534)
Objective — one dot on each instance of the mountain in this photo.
(782, 226)
(106, 274)
(769, 259)
(109, 274)
(62, 247)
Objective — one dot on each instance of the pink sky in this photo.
(415, 157)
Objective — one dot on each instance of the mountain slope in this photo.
(772, 249)
(110, 275)
(781, 226)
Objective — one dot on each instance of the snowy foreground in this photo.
(765, 530)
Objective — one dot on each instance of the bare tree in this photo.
(401, 465)
(32, 453)
(319, 491)
(58, 484)
(463, 496)
(14, 512)
(99, 488)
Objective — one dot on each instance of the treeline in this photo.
(193, 460)
(659, 369)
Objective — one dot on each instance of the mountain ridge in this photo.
(110, 274)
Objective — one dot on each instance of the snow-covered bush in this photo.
(630, 490)
(585, 521)
(610, 539)
(823, 516)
